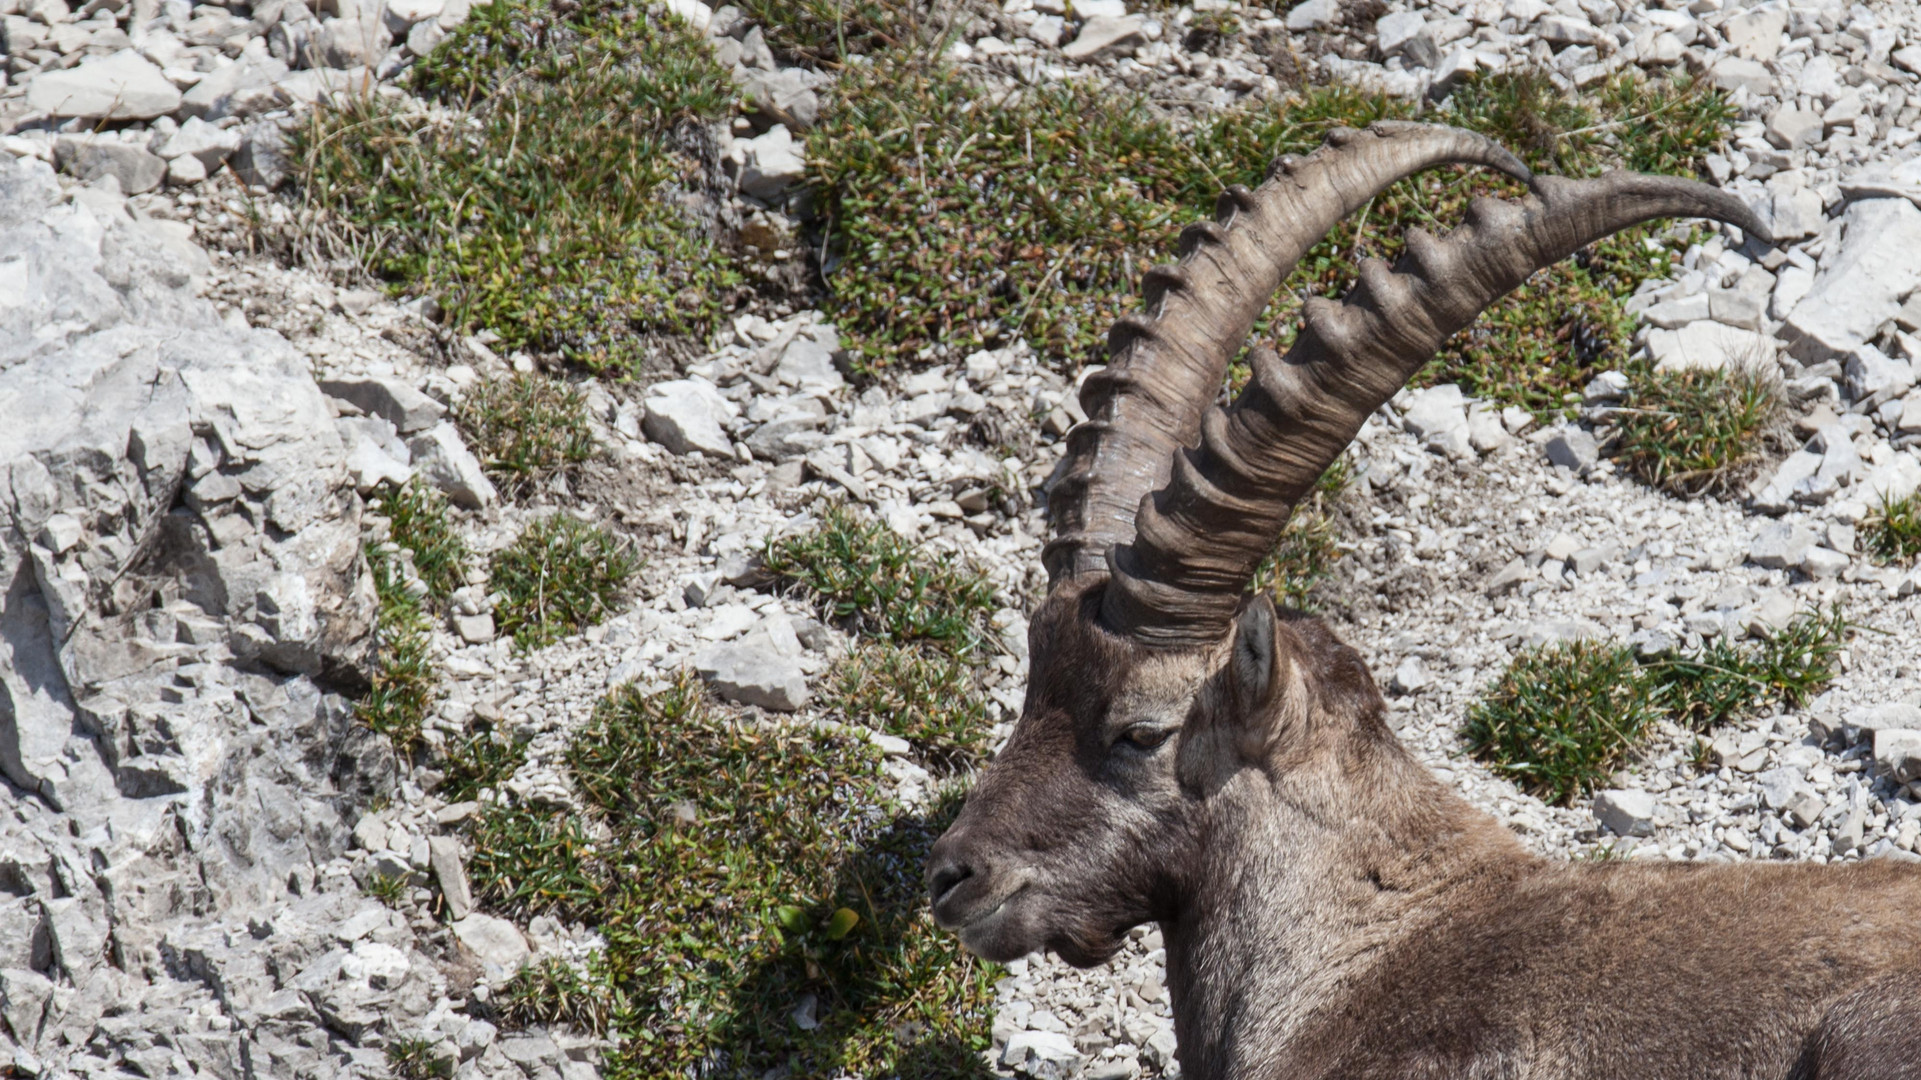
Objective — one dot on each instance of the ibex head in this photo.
(1161, 694)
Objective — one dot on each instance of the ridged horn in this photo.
(1167, 365)
(1200, 537)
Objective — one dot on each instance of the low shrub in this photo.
(1893, 531)
(1695, 431)
(1560, 720)
(561, 576)
(526, 428)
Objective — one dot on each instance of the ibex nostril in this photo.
(943, 878)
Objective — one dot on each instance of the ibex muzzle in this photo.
(1188, 755)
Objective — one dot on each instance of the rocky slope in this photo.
(192, 814)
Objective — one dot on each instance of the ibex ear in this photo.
(1261, 674)
(1253, 662)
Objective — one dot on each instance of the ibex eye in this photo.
(1146, 738)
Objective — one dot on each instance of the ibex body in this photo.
(1189, 756)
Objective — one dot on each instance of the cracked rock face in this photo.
(180, 588)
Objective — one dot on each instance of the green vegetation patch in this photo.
(1689, 432)
(405, 684)
(419, 522)
(526, 428)
(1893, 532)
(1309, 545)
(545, 193)
(922, 695)
(1560, 720)
(826, 32)
(739, 873)
(883, 585)
(952, 220)
(561, 576)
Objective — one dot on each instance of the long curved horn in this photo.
(1200, 538)
(1167, 365)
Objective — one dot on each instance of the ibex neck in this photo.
(1311, 875)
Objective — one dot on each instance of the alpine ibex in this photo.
(1191, 756)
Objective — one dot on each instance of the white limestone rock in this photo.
(123, 86)
(1861, 289)
(685, 415)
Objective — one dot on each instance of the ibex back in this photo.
(1190, 756)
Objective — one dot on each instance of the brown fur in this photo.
(1333, 911)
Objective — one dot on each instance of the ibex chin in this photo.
(1189, 755)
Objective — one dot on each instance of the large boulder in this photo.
(179, 562)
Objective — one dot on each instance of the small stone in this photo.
(1514, 573)
(1824, 564)
(1625, 812)
(1804, 808)
(1897, 754)
(1027, 1049)
(262, 159)
(1105, 34)
(756, 670)
(1794, 129)
(1573, 448)
(451, 873)
(91, 157)
(185, 171)
(204, 142)
(475, 629)
(773, 163)
(1312, 15)
(1734, 73)
(124, 86)
(406, 408)
(1891, 716)
(495, 942)
(685, 415)
(1707, 346)
(1411, 676)
(1781, 545)
(440, 455)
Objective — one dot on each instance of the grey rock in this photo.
(686, 415)
(262, 160)
(1804, 808)
(1897, 753)
(772, 163)
(1709, 346)
(1513, 574)
(399, 403)
(1734, 73)
(442, 457)
(249, 85)
(1312, 15)
(1030, 1051)
(1573, 448)
(1890, 716)
(1436, 412)
(1794, 129)
(24, 997)
(91, 157)
(787, 96)
(1411, 676)
(1824, 564)
(1406, 34)
(1792, 476)
(1105, 35)
(450, 871)
(1797, 213)
(760, 669)
(1874, 377)
(1781, 545)
(807, 363)
(1861, 289)
(786, 437)
(476, 629)
(1625, 812)
(495, 942)
(208, 145)
(123, 86)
